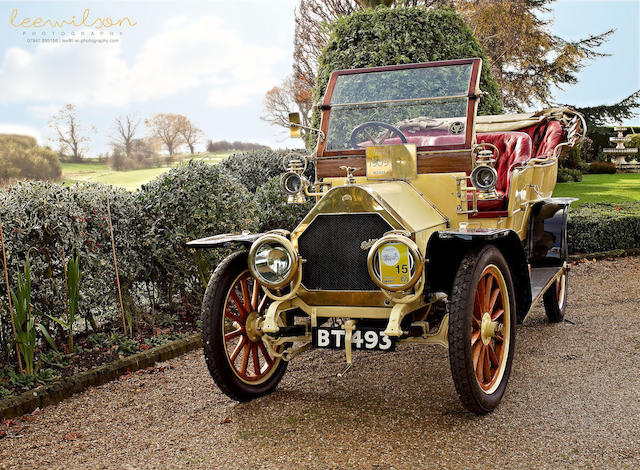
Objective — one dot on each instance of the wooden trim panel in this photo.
(427, 163)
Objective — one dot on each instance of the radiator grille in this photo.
(334, 258)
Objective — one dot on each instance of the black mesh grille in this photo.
(331, 248)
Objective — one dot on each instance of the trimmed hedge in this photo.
(385, 36)
(602, 168)
(43, 219)
(603, 226)
(255, 167)
(274, 211)
(151, 227)
(191, 201)
(568, 174)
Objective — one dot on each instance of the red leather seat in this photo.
(514, 148)
(545, 137)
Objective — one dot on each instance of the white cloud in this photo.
(6, 128)
(187, 54)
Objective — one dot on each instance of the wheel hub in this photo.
(251, 326)
(488, 328)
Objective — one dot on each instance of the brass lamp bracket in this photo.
(462, 196)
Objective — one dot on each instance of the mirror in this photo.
(295, 130)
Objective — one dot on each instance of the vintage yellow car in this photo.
(431, 225)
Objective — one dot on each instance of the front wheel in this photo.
(482, 321)
(239, 362)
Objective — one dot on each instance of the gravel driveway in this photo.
(573, 401)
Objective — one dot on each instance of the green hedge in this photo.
(274, 211)
(44, 220)
(599, 168)
(151, 227)
(190, 201)
(568, 174)
(603, 226)
(254, 168)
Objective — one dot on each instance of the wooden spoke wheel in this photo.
(555, 299)
(482, 329)
(238, 360)
(247, 354)
(489, 324)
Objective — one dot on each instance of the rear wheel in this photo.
(482, 329)
(239, 362)
(555, 299)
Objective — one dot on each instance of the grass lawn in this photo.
(132, 179)
(619, 187)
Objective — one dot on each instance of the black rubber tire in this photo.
(472, 396)
(212, 335)
(555, 307)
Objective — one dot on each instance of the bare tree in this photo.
(125, 132)
(166, 127)
(69, 132)
(293, 95)
(189, 132)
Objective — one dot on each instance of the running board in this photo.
(542, 279)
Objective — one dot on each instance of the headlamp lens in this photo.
(272, 262)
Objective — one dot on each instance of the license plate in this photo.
(369, 339)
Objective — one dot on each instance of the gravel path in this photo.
(573, 401)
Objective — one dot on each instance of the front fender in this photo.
(225, 240)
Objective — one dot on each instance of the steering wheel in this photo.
(377, 141)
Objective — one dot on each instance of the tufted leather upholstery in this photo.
(545, 137)
(514, 148)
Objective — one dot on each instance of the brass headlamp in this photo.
(273, 260)
(395, 263)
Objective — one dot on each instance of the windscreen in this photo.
(425, 106)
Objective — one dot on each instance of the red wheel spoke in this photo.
(480, 295)
(239, 305)
(256, 360)
(234, 334)
(492, 300)
(476, 322)
(265, 353)
(486, 365)
(245, 294)
(238, 348)
(487, 291)
(475, 353)
(232, 316)
(254, 295)
(475, 336)
(477, 305)
(497, 314)
(492, 356)
(478, 363)
(245, 359)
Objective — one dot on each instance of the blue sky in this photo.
(214, 60)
